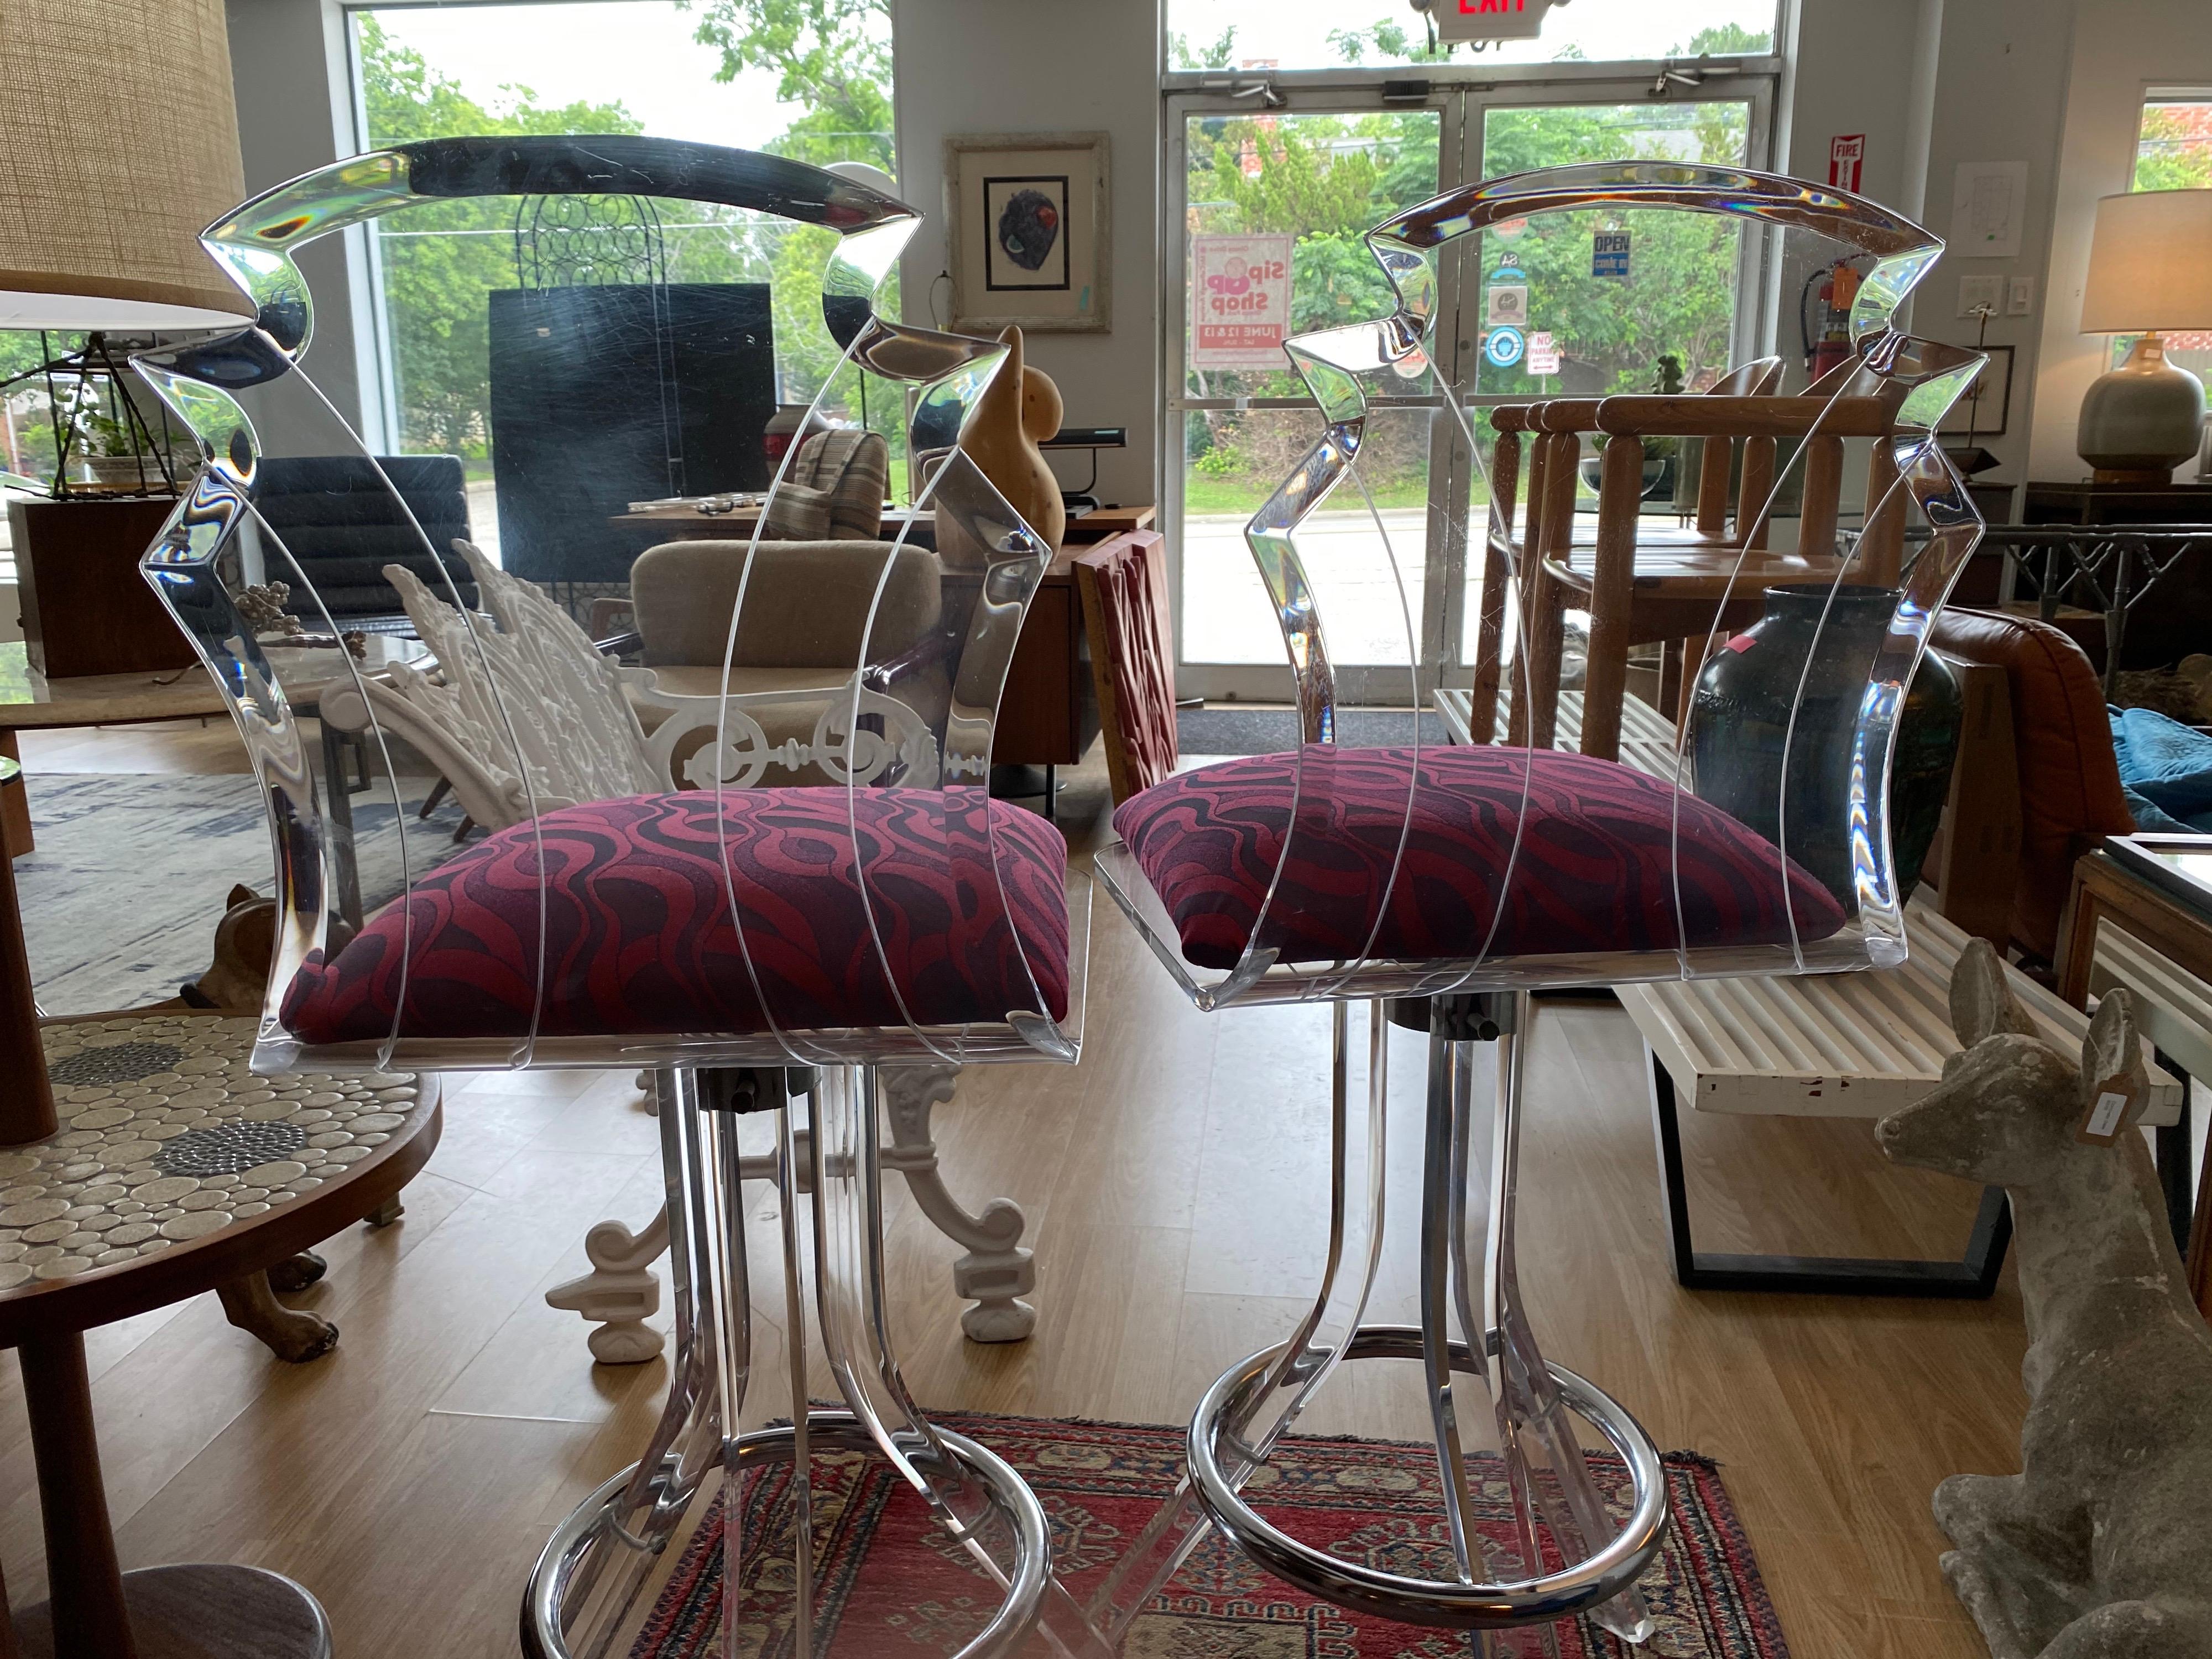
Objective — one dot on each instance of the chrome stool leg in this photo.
(1266, 1411)
(1542, 1448)
(1496, 1365)
(588, 1577)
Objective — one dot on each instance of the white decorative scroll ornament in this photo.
(741, 757)
(620, 1293)
(558, 697)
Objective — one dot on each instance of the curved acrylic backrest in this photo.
(772, 842)
(1758, 843)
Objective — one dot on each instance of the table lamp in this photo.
(2150, 271)
(121, 137)
(122, 141)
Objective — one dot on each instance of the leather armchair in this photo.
(2067, 781)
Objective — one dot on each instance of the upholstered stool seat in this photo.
(1598, 866)
(637, 928)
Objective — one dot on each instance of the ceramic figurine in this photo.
(1021, 409)
(2101, 1547)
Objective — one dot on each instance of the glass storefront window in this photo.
(1312, 34)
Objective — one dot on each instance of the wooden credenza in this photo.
(1050, 713)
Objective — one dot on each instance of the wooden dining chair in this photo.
(1642, 589)
(1711, 525)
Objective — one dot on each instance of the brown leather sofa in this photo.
(2062, 789)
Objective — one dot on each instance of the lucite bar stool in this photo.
(763, 950)
(1447, 885)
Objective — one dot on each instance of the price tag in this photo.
(2115, 1106)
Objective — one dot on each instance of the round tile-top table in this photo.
(174, 1171)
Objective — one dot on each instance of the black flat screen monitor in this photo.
(605, 396)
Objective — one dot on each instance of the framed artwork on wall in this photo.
(1986, 410)
(1028, 223)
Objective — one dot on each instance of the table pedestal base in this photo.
(204, 1611)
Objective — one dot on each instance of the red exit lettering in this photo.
(1485, 8)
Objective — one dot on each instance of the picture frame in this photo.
(1028, 232)
(1987, 406)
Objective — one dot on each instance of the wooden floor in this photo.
(1174, 1184)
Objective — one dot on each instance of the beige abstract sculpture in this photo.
(2101, 1547)
(1021, 409)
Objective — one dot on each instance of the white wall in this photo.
(1877, 102)
(1933, 83)
(2121, 51)
(287, 57)
(1048, 66)
(1998, 87)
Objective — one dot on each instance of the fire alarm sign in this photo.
(1846, 156)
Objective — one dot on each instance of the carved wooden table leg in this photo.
(620, 1293)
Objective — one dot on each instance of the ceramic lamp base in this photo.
(2143, 419)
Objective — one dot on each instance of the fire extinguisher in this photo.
(1828, 344)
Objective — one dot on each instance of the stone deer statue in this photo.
(2101, 1547)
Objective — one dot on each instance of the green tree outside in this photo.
(441, 261)
(1327, 179)
(2175, 150)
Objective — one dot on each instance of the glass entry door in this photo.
(1272, 205)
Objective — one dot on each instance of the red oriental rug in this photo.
(890, 1583)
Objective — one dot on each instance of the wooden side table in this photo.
(175, 1171)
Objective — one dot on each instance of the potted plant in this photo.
(121, 453)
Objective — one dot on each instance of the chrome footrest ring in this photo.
(1577, 1589)
(595, 1523)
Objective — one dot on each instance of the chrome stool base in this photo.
(1578, 1589)
(593, 1527)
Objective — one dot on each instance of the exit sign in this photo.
(1489, 20)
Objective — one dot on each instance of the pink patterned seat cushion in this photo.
(1595, 872)
(638, 936)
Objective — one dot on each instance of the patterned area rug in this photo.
(893, 1583)
(121, 899)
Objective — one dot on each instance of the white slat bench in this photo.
(1857, 1045)
(1835, 1045)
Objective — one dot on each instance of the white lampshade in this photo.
(121, 142)
(2150, 264)
(865, 173)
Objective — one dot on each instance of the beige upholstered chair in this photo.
(805, 606)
